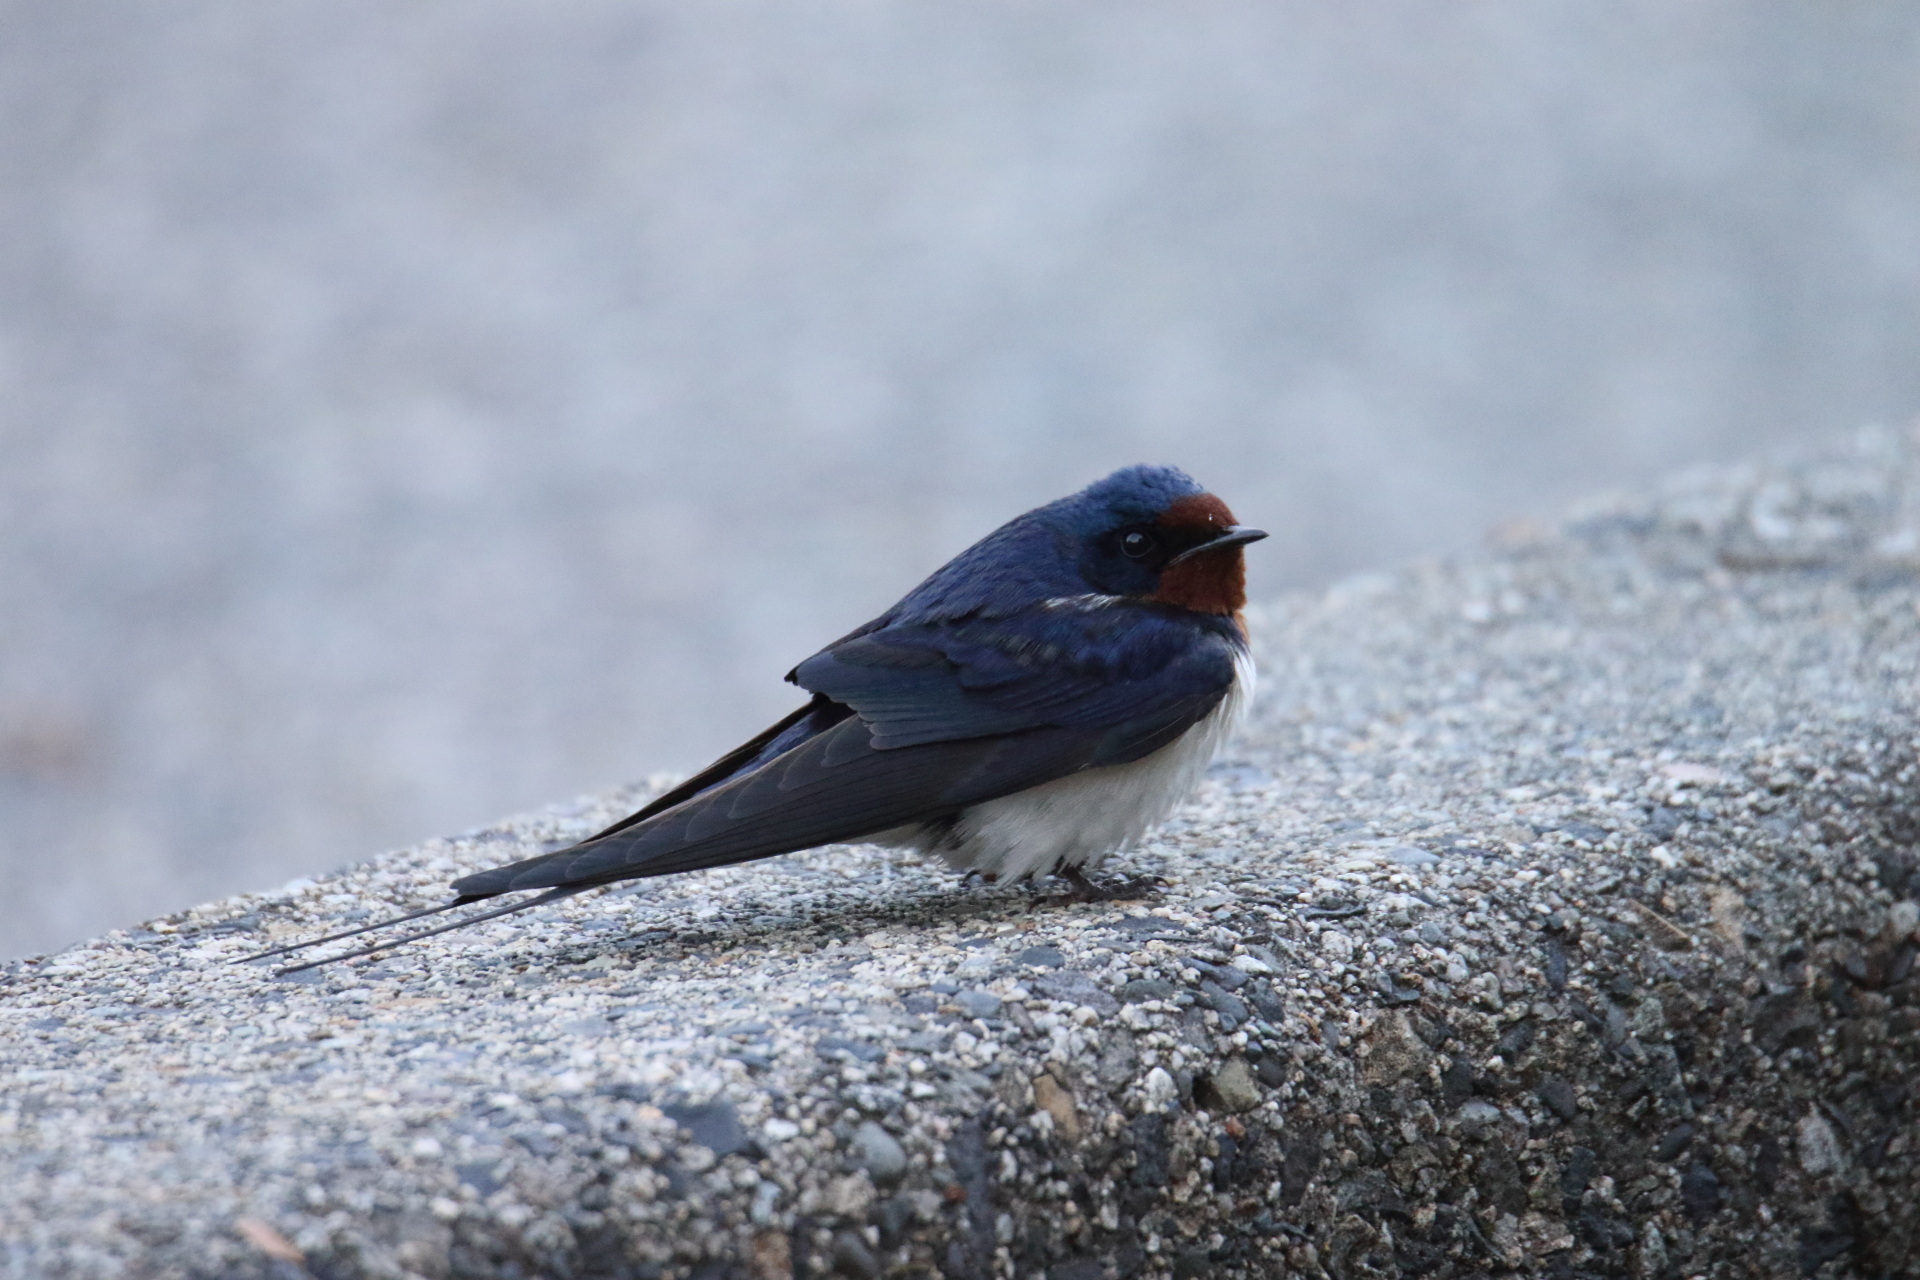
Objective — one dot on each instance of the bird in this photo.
(1040, 701)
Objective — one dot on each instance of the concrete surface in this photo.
(409, 414)
(1555, 915)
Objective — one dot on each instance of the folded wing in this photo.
(911, 724)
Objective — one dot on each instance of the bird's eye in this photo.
(1137, 545)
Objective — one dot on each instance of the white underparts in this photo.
(1078, 820)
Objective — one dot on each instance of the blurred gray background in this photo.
(417, 413)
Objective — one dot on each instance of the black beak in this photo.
(1238, 536)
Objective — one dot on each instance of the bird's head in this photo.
(1143, 532)
(1152, 532)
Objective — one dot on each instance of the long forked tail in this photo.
(552, 895)
(349, 933)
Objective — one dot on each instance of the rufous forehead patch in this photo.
(1197, 511)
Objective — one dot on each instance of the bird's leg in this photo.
(1125, 889)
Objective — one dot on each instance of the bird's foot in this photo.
(1125, 889)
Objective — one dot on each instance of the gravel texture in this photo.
(1555, 914)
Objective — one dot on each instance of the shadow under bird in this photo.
(1037, 703)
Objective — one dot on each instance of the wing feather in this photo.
(836, 787)
(1046, 667)
(914, 723)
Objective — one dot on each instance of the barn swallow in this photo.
(1039, 702)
